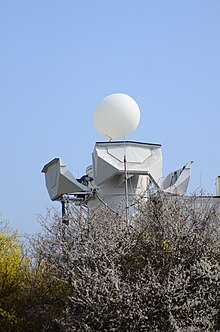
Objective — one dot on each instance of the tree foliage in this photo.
(160, 272)
(13, 268)
(26, 285)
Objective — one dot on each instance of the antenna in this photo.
(126, 184)
(126, 189)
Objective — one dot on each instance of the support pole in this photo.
(65, 219)
(126, 189)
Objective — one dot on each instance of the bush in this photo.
(160, 272)
(14, 268)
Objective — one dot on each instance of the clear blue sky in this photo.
(58, 59)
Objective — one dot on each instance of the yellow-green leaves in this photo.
(11, 262)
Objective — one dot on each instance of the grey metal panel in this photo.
(217, 186)
(108, 160)
(127, 142)
(177, 182)
(59, 180)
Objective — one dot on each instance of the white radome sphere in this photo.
(116, 116)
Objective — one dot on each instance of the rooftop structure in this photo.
(122, 172)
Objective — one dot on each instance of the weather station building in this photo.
(122, 172)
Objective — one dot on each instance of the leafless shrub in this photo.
(159, 273)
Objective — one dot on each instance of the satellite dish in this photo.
(116, 116)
